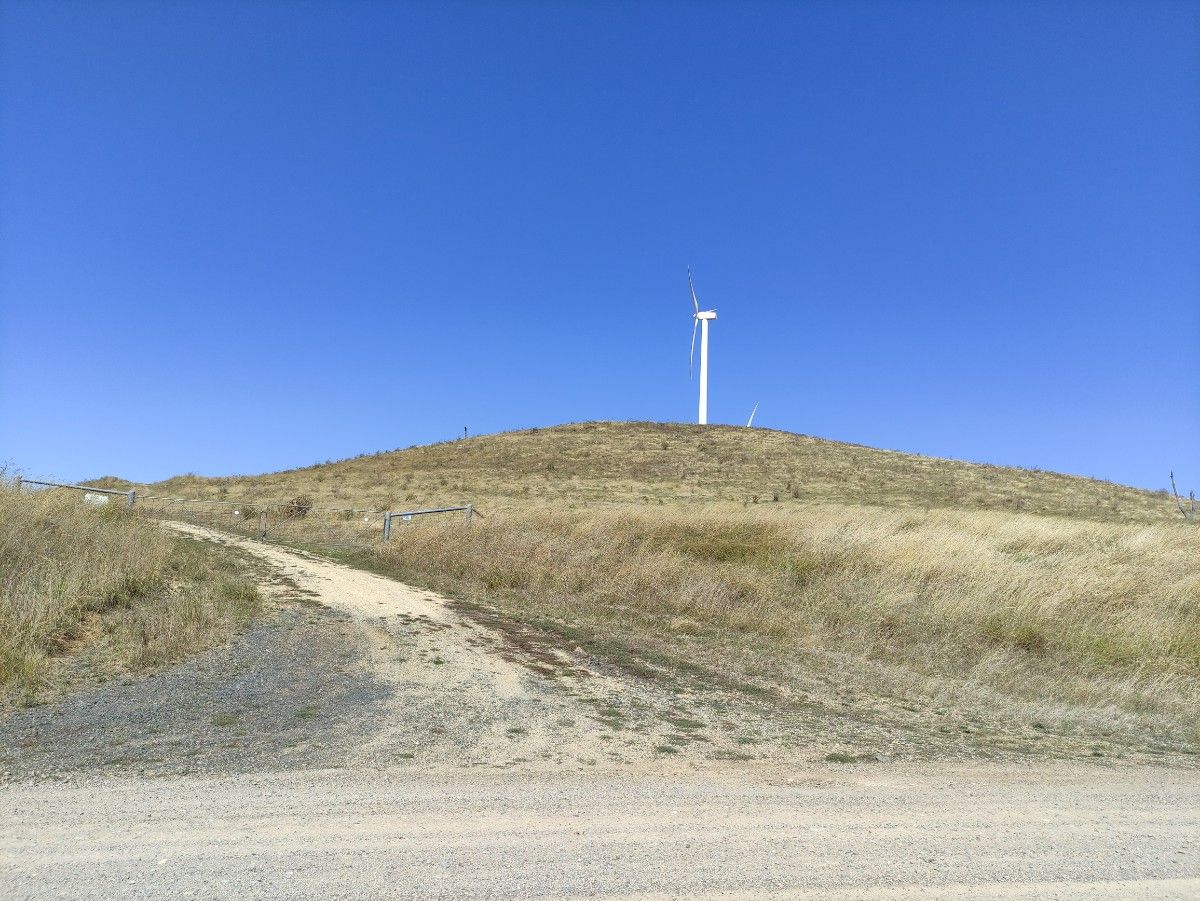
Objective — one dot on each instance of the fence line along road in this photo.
(295, 521)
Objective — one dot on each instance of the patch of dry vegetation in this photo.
(1048, 618)
(790, 561)
(89, 592)
(604, 464)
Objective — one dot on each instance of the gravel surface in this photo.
(293, 691)
(898, 831)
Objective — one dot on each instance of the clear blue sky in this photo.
(247, 236)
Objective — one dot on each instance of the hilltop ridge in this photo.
(605, 463)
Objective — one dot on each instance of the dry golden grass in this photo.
(1075, 619)
(787, 560)
(602, 464)
(1063, 620)
(90, 592)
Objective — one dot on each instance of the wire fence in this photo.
(293, 522)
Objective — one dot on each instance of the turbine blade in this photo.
(750, 421)
(692, 288)
(692, 355)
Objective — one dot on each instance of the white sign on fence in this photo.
(96, 500)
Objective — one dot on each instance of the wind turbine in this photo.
(700, 319)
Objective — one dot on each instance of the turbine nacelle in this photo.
(706, 314)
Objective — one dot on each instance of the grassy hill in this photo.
(608, 463)
(968, 602)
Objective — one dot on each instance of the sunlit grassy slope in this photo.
(825, 573)
(607, 463)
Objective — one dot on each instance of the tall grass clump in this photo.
(1101, 618)
(95, 591)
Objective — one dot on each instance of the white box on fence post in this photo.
(96, 500)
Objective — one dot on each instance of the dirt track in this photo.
(466, 689)
(461, 693)
(483, 761)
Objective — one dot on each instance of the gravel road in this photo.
(369, 739)
(894, 831)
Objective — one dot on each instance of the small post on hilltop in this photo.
(130, 496)
(470, 511)
(387, 526)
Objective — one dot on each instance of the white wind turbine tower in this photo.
(700, 319)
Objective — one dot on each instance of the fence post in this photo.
(387, 526)
(17, 482)
(130, 497)
(470, 510)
